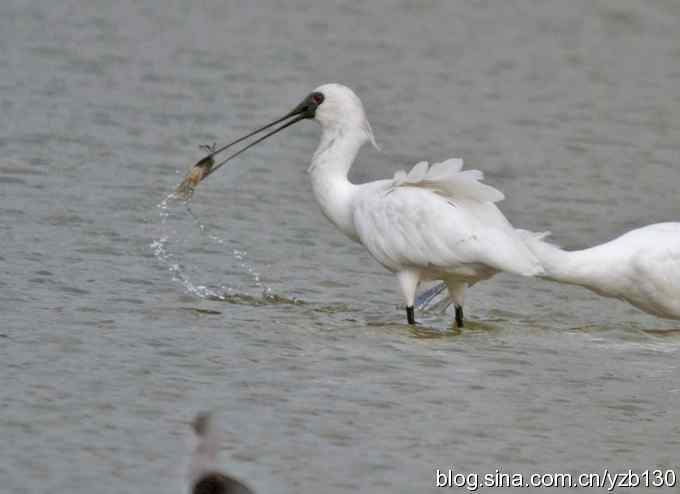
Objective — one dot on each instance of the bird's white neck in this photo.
(596, 268)
(328, 171)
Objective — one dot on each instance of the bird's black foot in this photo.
(208, 148)
(409, 315)
(459, 316)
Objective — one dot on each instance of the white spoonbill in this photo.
(205, 476)
(434, 223)
(641, 267)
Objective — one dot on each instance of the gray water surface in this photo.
(122, 315)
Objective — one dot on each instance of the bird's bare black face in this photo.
(307, 108)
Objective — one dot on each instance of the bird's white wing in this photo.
(439, 217)
(449, 180)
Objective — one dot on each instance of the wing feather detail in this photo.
(449, 180)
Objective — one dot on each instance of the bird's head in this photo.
(334, 106)
(338, 107)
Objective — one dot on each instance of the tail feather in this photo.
(549, 255)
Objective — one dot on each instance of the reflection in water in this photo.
(425, 333)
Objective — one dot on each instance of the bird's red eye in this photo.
(317, 98)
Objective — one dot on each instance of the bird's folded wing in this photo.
(412, 226)
(449, 180)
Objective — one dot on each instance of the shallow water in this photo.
(123, 316)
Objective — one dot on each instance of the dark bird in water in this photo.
(205, 476)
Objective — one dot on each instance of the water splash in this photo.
(172, 246)
(239, 255)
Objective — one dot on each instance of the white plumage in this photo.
(441, 222)
(434, 222)
(641, 267)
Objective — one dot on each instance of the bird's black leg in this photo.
(459, 316)
(409, 315)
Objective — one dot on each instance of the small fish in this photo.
(197, 173)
